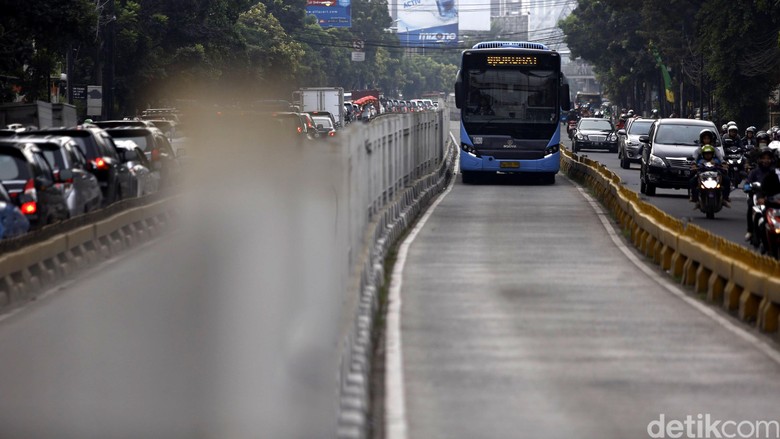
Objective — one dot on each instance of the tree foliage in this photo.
(721, 52)
(218, 49)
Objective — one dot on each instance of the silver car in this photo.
(147, 180)
(628, 141)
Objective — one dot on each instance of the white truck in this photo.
(330, 99)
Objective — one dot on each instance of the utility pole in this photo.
(108, 66)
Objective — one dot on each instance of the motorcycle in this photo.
(756, 215)
(710, 193)
(735, 158)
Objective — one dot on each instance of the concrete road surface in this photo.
(522, 318)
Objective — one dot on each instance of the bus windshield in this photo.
(511, 96)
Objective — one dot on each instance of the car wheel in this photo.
(574, 147)
(649, 189)
(624, 163)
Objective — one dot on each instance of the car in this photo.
(594, 133)
(324, 127)
(311, 130)
(668, 151)
(156, 147)
(12, 220)
(628, 141)
(147, 180)
(31, 183)
(82, 190)
(291, 122)
(103, 159)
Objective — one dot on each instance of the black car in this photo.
(103, 160)
(669, 150)
(82, 191)
(595, 133)
(157, 148)
(324, 127)
(31, 183)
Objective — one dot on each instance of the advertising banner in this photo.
(331, 13)
(425, 23)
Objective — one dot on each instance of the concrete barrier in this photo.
(741, 281)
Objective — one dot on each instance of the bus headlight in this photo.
(552, 149)
(468, 148)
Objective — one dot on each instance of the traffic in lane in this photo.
(729, 223)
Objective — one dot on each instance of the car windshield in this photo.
(138, 140)
(597, 125)
(324, 121)
(13, 167)
(673, 134)
(56, 158)
(640, 128)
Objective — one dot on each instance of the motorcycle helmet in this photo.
(724, 127)
(762, 137)
(707, 149)
(766, 151)
(750, 129)
(733, 128)
(630, 113)
(710, 133)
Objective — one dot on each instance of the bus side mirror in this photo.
(459, 91)
(565, 99)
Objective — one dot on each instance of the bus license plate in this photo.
(509, 165)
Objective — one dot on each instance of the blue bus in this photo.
(510, 96)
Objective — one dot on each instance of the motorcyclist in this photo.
(732, 132)
(762, 141)
(708, 155)
(622, 121)
(765, 166)
(749, 141)
(630, 114)
(654, 114)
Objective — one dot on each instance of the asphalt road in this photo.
(729, 223)
(522, 318)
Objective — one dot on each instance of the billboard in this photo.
(331, 13)
(427, 23)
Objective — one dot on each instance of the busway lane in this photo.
(521, 318)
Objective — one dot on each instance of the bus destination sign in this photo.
(511, 60)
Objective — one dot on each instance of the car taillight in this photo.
(100, 164)
(29, 207)
(332, 133)
(29, 189)
(155, 155)
(300, 130)
(773, 219)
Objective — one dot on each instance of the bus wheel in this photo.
(468, 177)
(548, 178)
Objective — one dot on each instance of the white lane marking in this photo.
(677, 291)
(395, 402)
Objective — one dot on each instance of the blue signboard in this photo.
(425, 23)
(331, 13)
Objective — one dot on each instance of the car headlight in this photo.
(613, 137)
(579, 136)
(657, 161)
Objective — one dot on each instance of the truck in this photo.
(38, 114)
(330, 99)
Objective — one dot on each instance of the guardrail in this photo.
(394, 172)
(740, 280)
